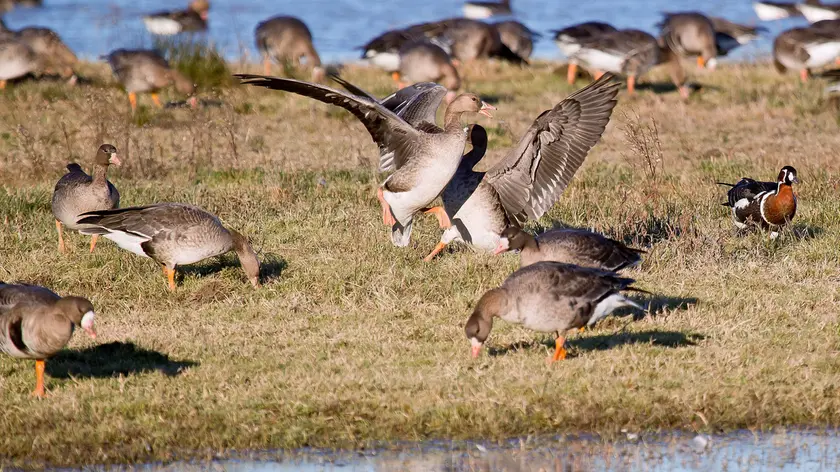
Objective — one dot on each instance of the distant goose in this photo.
(770, 11)
(690, 34)
(549, 297)
(517, 37)
(383, 51)
(167, 23)
(35, 323)
(171, 234)
(470, 40)
(141, 71)
(729, 35)
(77, 192)
(482, 10)
(818, 12)
(770, 205)
(16, 60)
(804, 49)
(287, 39)
(568, 41)
(423, 61)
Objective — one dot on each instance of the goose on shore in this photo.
(35, 323)
(167, 23)
(77, 192)
(805, 49)
(517, 37)
(287, 39)
(770, 11)
(142, 71)
(424, 157)
(16, 60)
(478, 10)
(814, 12)
(53, 55)
(730, 35)
(568, 41)
(423, 61)
(690, 34)
(172, 234)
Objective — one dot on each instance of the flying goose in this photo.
(568, 41)
(770, 205)
(142, 71)
(550, 297)
(35, 323)
(287, 39)
(530, 179)
(804, 49)
(172, 234)
(425, 157)
(690, 34)
(77, 192)
(167, 23)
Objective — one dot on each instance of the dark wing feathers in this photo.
(531, 178)
(144, 221)
(747, 188)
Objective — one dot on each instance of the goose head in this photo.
(79, 311)
(480, 322)
(107, 155)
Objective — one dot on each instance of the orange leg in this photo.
(571, 73)
(837, 61)
(132, 99)
(61, 247)
(387, 218)
(631, 84)
(93, 242)
(39, 391)
(396, 76)
(701, 63)
(156, 100)
(440, 213)
(435, 252)
(582, 329)
(803, 74)
(170, 277)
(2, 84)
(559, 350)
(267, 66)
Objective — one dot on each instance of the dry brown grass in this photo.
(353, 341)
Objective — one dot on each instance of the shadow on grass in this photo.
(801, 231)
(602, 342)
(271, 266)
(660, 303)
(669, 87)
(113, 359)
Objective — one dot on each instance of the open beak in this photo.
(115, 160)
(485, 109)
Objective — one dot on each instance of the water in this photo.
(743, 451)
(95, 27)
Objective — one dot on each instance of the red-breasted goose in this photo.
(477, 10)
(425, 157)
(531, 178)
(35, 323)
(690, 34)
(77, 192)
(167, 23)
(568, 41)
(570, 246)
(804, 49)
(770, 205)
(172, 234)
(142, 71)
(287, 39)
(549, 297)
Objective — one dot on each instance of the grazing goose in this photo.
(16, 60)
(423, 61)
(469, 40)
(690, 34)
(770, 205)
(729, 35)
(35, 323)
(141, 71)
(568, 41)
(51, 52)
(804, 49)
(570, 246)
(481, 10)
(531, 178)
(172, 234)
(425, 157)
(517, 37)
(550, 297)
(383, 51)
(77, 193)
(167, 23)
(287, 39)
(815, 12)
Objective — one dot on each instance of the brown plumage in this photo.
(517, 37)
(35, 323)
(804, 49)
(286, 39)
(423, 61)
(142, 71)
(167, 23)
(570, 246)
(690, 34)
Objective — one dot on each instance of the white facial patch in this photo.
(87, 320)
(475, 343)
(504, 243)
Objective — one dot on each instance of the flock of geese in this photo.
(568, 278)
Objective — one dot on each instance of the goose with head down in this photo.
(425, 157)
(690, 34)
(531, 178)
(16, 60)
(143, 71)
(287, 39)
(35, 323)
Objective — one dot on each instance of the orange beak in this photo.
(486, 108)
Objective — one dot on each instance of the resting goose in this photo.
(141, 71)
(690, 34)
(570, 246)
(287, 39)
(549, 297)
(78, 192)
(425, 157)
(531, 178)
(481, 10)
(804, 49)
(517, 37)
(423, 61)
(814, 12)
(16, 60)
(167, 23)
(568, 41)
(770, 205)
(172, 234)
(729, 35)
(35, 323)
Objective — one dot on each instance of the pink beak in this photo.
(475, 351)
(91, 332)
(115, 160)
(485, 109)
(500, 249)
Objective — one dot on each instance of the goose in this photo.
(690, 34)
(383, 51)
(568, 41)
(168, 23)
(51, 52)
(77, 192)
(142, 71)
(35, 323)
(517, 37)
(570, 246)
(423, 61)
(549, 297)
(477, 10)
(814, 12)
(729, 35)
(425, 157)
(470, 39)
(770, 11)
(16, 60)
(770, 205)
(530, 179)
(287, 39)
(804, 49)
(171, 234)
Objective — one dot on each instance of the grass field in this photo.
(352, 341)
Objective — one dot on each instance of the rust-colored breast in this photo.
(780, 208)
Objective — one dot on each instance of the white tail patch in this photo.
(129, 242)
(600, 60)
(815, 13)
(162, 26)
(822, 54)
(389, 61)
(769, 12)
(610, 304)
(476, 12)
